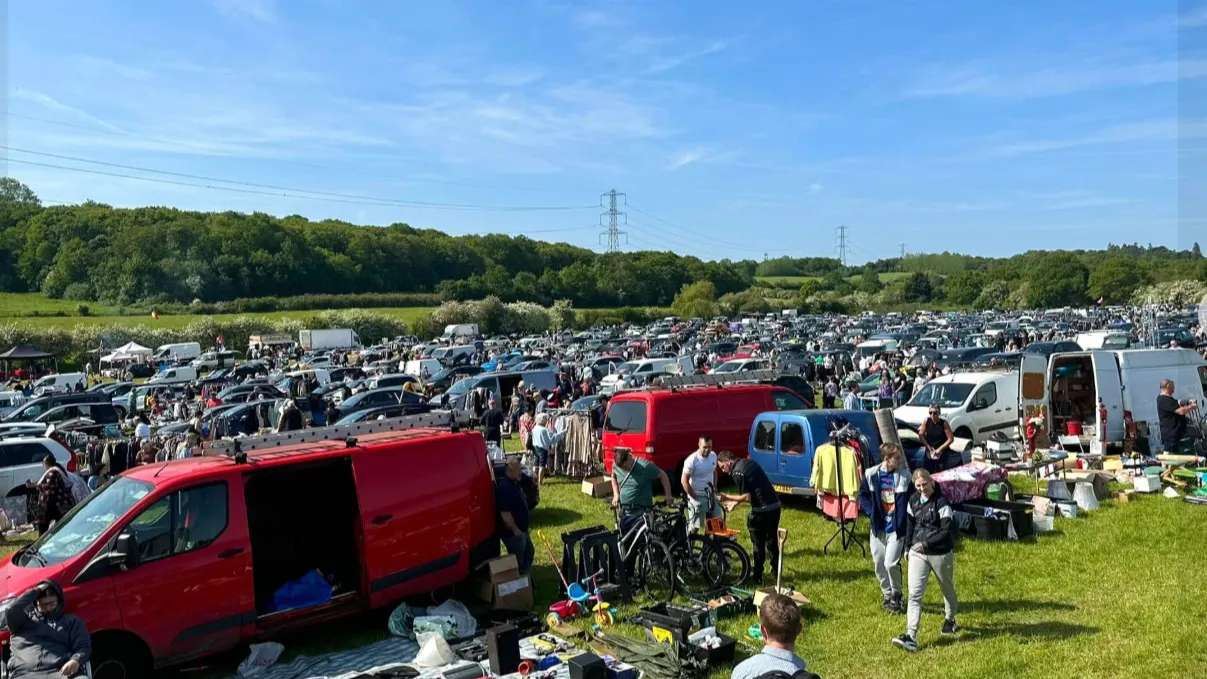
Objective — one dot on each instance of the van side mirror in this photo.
(124, 551)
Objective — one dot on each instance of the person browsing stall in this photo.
(543, 441)
(936, 436)
(513, 516)
(632, 486)
(699, 473)
(763, 522)
(1172, 415)
(884, 496)
(780, 624)
(929, 537)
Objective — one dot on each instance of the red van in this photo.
(664, 425)
(174, 561)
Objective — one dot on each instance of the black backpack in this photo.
(780, 674)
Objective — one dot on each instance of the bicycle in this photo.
(712, 560)
(646, 558)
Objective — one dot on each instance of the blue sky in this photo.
(735, 129)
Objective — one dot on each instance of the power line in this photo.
(842, 244)
(614, 216)
(696, 236)
(210, 151)
(366, 200)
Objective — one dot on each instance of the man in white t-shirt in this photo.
(700, 472)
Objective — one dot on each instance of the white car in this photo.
(741, 365)
(21, 461)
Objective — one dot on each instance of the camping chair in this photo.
(4, 655)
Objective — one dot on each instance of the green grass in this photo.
(168, 321)
(1110, 594)
(26, 303)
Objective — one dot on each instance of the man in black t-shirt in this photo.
(764, 519)
(492, 423)
(1173, 418)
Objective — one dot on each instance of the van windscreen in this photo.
(85, 523)
(626, 417)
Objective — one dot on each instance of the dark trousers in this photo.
(51, 514)
(520, 546)
(763, 527)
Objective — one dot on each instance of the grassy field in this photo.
(888, 277)
(17, 307)
(1111, 594)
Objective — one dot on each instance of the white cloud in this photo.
(264, 11)
(684, 158)
(666, 63)
(815, 189)
(1048, 81)
(52, 104)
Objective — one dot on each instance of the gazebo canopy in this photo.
(132, 349)
(24, 352)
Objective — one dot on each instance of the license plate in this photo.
(787, 490)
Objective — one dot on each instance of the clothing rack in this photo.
(846, 530)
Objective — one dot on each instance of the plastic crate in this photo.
(667, 623)
(983, 527)
(1020, 514)
(719, 656)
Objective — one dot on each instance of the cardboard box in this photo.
(502, 585)
(597, 486)
(1112, 464)
(800, 599)
(1124, 495)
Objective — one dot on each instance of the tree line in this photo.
(159, 256)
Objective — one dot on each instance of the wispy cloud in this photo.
(992, 82)
(814, 189)
(1153, 131)
(52, 104)
(264, 11)
(684, 158)
(666, 63)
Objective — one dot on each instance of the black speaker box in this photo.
(503, 649)
(588, 666)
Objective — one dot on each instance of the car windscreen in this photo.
(942, 394)
(626, 417)
(85, 523)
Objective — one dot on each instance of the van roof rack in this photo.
(437, 419)
(747, 377)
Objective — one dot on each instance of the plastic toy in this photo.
(580, 600)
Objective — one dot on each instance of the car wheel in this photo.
(963, 433)
(120, 658)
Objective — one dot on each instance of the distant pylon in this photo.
(616, 219)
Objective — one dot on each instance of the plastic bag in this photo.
(262, 655)
(434, 651)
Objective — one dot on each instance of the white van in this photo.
(211, 360)
(635, 373)
(975, 404)
(177, 352)
(59, 383)
(995, 328)
(10, 401)
(872, 347)
(179, 375)
(449, 355)
(1068, 387)
(417, 366)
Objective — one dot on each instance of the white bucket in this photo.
(1043, 524)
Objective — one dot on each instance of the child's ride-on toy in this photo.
(579, 600)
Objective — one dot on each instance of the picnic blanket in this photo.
(375, 657)
(968, 482)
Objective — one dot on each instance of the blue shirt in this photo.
(888, 499)
(770, 660)
(509, 497)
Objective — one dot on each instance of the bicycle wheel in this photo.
(695, 575)
(734, 563)
(656, 571)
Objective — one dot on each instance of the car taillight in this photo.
(649, 450)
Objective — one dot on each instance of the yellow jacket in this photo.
(825, 470)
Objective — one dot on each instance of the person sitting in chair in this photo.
(46, 642)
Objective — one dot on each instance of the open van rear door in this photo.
(1033, 389)
(1108, 382)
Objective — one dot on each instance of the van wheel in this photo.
(120, 657)
(963, 433)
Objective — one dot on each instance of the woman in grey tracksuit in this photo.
(931, 542)
(884, 496)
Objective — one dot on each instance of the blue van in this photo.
(783, 444)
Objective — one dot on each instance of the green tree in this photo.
(964, 287)
(992, 296)
(916, 288)
(869, 281)
(696, 300)
(1056, 279)
(1116, 279)
(14, 192)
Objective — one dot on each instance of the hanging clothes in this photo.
(828, 462)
